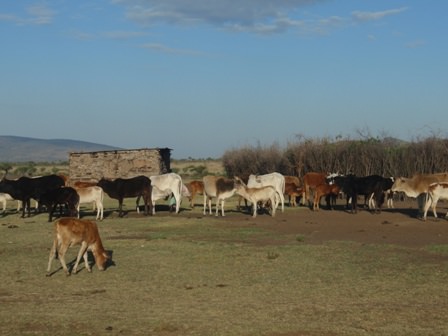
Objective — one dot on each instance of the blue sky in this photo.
(202, 77)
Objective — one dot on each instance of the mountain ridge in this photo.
(24, 149)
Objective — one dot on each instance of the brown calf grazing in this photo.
(324, 190)
(73, 231)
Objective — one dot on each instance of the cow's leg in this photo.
(428, 203)
(52, 255)
(61, 255)
(178, 198)
(354, 203)
(99, 210)
(255, 208)
(120, 207)
(434, 205)
(217, 206)
(210, 205)
(137, 206)
(82, 250)
(86, 261)
(50, 215)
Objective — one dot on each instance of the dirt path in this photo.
(399, 226)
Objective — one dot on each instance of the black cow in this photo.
(139, 186)
(25, 188)
(353, 186)
(64, 196)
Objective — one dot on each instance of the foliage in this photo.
(366, 156)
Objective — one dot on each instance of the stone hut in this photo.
(92, 166)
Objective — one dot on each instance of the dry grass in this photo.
(187, 274)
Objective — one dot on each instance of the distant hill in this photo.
(22, 149)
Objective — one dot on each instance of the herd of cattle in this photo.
(269, 190)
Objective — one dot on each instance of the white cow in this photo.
(436, 191)
(275, 180)
(95, 195)
(166, 184)
(4, 198)
(417, 186)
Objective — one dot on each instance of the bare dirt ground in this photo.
(398, 226)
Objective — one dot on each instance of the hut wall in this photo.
(92, 166)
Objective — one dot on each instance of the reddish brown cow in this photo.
(324, 190)
(73, 231)
(310, 182)
(293, 191)
(84, 184)
(195, 188)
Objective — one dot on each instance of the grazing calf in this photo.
(260, 194)
(275, 180)
(64, 196)
(73, 231)
(93, 194)
(195, 188)
(219, 187)
(436, 191)
(139, 186)
(329, 190)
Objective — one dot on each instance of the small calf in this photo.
(293, 191)
(195, 188)
(255, 195)
(436, 191)
(324, 190)
(73, 231)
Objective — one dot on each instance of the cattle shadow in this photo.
(82, 266)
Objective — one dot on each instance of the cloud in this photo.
(415, 44)
(373, 16)
(256, 16)
(123, 35)
(38, 14)
(167, 50)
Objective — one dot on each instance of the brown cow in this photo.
(73, 231)
(325, 190)
(293, 191)
(84, 184)
(195, 188)
(310, 182)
